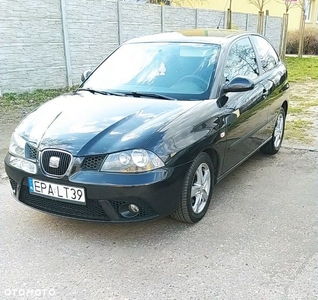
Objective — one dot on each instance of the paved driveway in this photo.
(258, 241)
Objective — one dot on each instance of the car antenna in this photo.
(218, 27)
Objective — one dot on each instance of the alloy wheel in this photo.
(200, 189)
(279, 129)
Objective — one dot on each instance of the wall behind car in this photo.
(48, 44)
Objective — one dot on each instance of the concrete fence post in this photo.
(196, 19)
(162, 18)
(247, 22)
(66, 45)
(119, 20)
(265, 26)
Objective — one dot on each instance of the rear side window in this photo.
(268, 57)
(241, 61)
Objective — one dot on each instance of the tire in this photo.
(274, 144)
(198, 182)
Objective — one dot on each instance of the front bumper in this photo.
(155, 193)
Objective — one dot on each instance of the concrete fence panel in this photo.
(178, 18)
(31, 45)
(273, 27)
(92, 31)
(239, 21)
(139, 19)
(48, 44)
(252, 23)
(211, 18)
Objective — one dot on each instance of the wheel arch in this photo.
(285, 106)
(215, 161)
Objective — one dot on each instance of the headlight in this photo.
(138, 160)
(17, 145)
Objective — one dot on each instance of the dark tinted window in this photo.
(241, 61)
(266, 52)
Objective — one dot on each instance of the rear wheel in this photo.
(196, 191)
(274, 144)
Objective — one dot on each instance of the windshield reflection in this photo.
(178, 70)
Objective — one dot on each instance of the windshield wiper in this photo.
(150, 95)
(100, 92)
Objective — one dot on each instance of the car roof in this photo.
(198, 35)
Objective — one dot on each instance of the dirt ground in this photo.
(257, 241)
(302, 120)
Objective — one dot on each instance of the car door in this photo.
(245, 112)
(274, 77)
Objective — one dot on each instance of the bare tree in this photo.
(288, 5)
(260, 6)
(229, 16)
(304, 5)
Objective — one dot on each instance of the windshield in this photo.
(178, 70)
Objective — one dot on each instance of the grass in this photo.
(300, 105)
(302, 69)
(303, 76)
(297, 130)
(30, 99)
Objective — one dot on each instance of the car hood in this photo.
(89, 124)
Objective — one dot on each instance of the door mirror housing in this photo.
(85, 75)
(239, 84)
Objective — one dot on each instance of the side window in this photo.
(266, 52)
(241, 61)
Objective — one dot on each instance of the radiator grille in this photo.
(31, 152)
(93, 162)
(60, 168)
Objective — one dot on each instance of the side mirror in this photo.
(238, 84)
(85, 75)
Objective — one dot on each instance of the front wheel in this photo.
(274, 144)
(196, 191)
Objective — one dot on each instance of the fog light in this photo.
(23, 164)
(133, 208)
(129, 210)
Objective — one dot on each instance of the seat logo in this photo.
(54, 162)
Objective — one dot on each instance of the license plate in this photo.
(57, 191)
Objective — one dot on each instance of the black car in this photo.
(153, 128)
